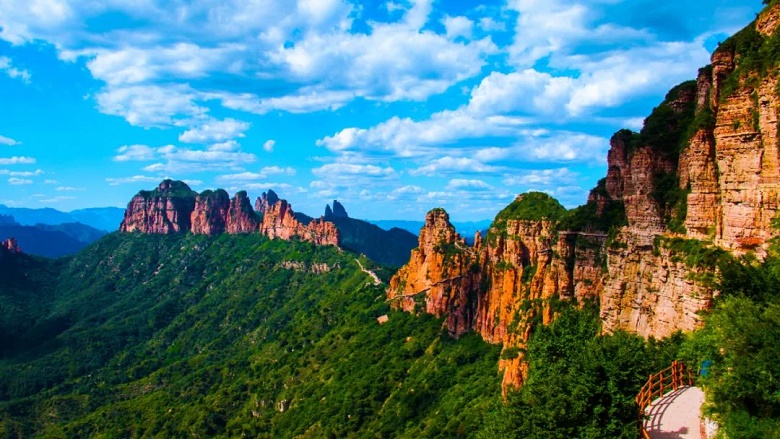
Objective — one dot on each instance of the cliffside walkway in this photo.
(669, 405)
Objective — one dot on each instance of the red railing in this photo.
(667, 380)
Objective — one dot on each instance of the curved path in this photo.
(676, 415)
(373, 275)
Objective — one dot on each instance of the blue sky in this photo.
(392, 107)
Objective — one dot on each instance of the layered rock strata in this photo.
(501, 286)
(703, 172)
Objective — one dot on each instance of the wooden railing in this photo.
(667, 380)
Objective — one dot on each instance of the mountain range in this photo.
(208, 316)
(101, 218)
(49, 240)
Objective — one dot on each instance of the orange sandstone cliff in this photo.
(703, 173)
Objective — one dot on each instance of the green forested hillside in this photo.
(241, 336)
(228, 336)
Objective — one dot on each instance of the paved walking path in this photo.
(676, 415)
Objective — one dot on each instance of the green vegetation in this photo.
(388, 247)
(666, 129)
(26, 284)
(739, 345)
(696, 254)
(585, 218)
(450, 250)
(757, 57)
(672, 200)
(227, 336)
(219, 194)
(580, 384)
(177, 189)
(532, 206)
(528, 274)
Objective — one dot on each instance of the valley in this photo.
(206, 315)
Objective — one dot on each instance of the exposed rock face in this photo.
(706, 167)
(730, 169)
(210, 213)
(164, 210)
(746, 154)
(174, 208)
(650, 292)
(10, 246)
(699, 172)
(338, 210)
(279, 222)
(321, 232)
(265, 201)
(440, 275)
(500, 287)
(240, 216)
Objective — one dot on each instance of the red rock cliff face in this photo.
(730, 168)
(707, 167)
(321, 232)
(279, 222)
(733, 166)
(241, 218)
(164, 210)
(210, 213)
(174, 208)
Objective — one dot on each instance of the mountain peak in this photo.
(337, 211)
(174, 208)
(265, 201)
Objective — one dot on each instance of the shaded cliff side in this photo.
(174, 208)
(388, 247)
(700, 180)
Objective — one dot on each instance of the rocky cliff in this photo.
(174, 208)
(240, 216)
(210, 213)
(279, 221)
(718, 186)
(164, 210)
(701, 178)
(265, 201)
(441, 275)
(10, 246)
(506, 282)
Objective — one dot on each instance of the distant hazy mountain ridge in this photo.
(390, 247)
(101, 218)
(49, 240)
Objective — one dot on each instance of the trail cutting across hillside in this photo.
(369, 272)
